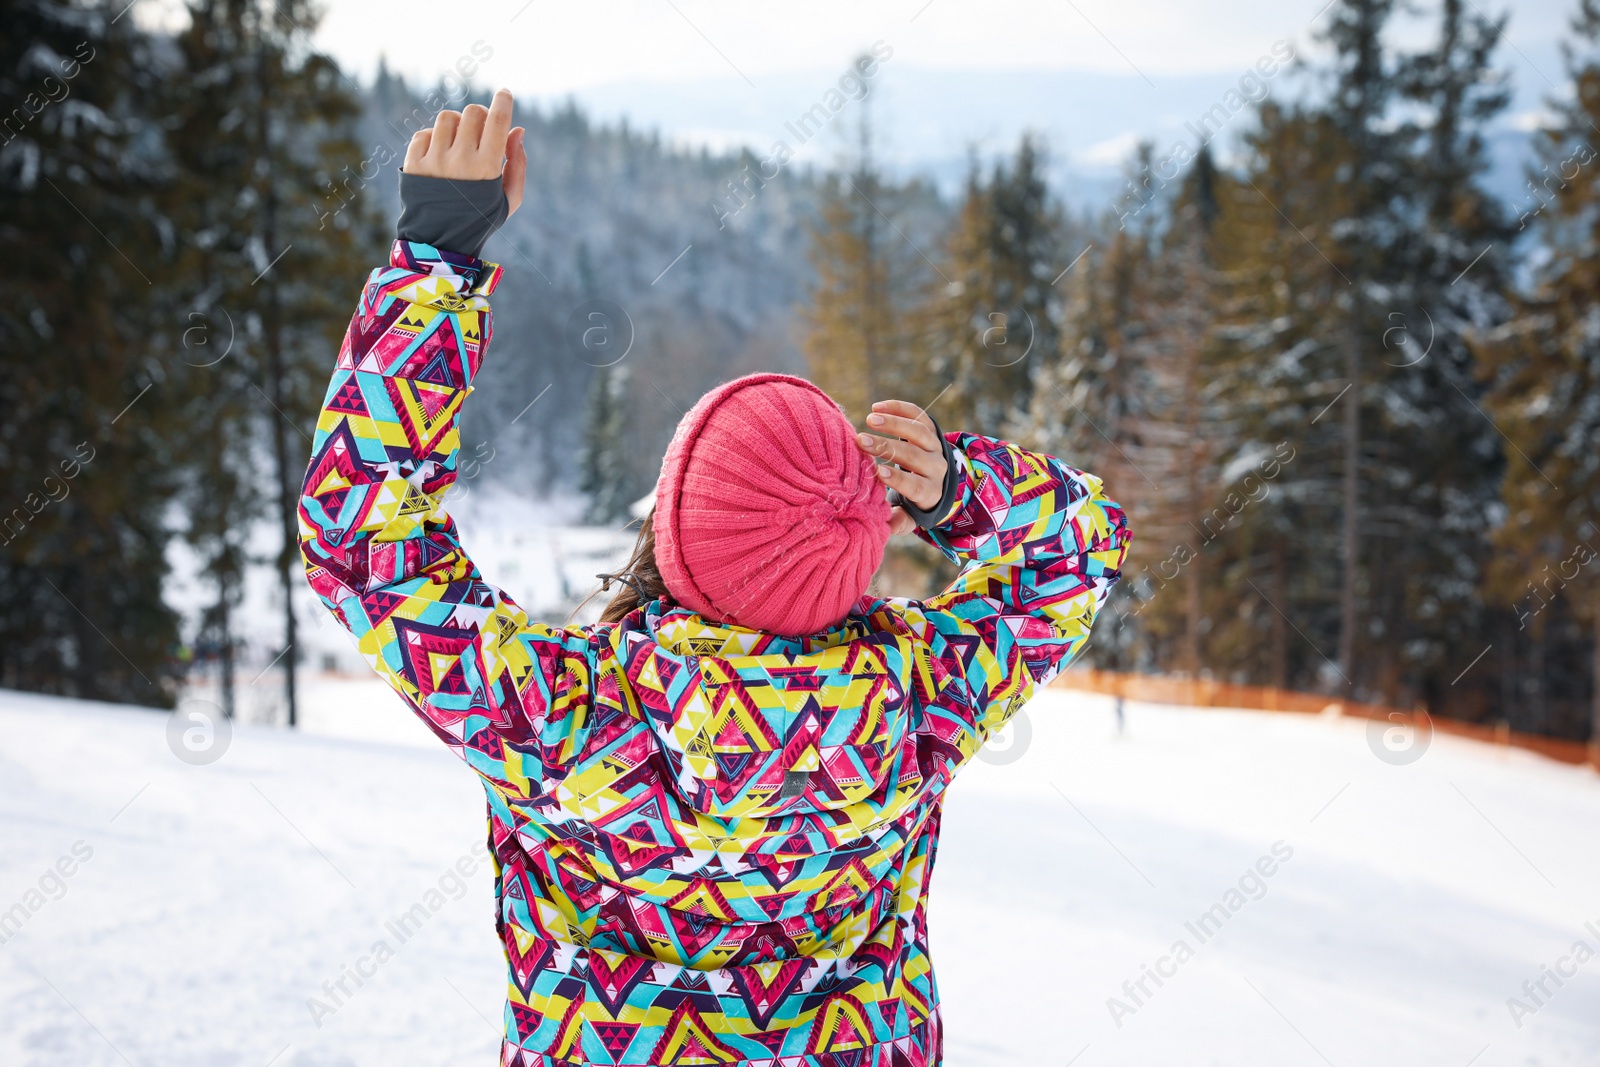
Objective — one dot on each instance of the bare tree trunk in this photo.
(874, 284)
(1193, 507)
(1192, 611)
(1510, 685)
(1193, 572)
(1594, 706)
(1280, 632)
(1349, 545)
(272, 329)
(225, 654)
(286, 496)
(1536, 709)
(86, 682)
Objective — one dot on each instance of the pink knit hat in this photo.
(768, 514)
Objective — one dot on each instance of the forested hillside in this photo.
(626, 294)
(1356, 452)
(1347, 394)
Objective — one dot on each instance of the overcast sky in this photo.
(548, 47)
(1091, 77)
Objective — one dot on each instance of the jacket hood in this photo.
(756, 725)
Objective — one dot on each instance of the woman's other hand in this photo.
(475, 144)
(910, 454)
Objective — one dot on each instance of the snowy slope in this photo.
(535, 550)
(215, 900)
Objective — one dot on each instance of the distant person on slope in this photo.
(714, 814)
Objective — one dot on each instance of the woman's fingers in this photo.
(910, 456)
(923, 492)
(497, 125)
(876, 447)
(469, 135)
(417, 150)
(898, 407)
(444, 131)
(890, 451)
(472, 146)
(516, 171)
(901, 522)
(914, 465)
(917, 431)
(905, 409)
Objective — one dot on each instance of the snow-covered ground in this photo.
(536, 550)
(175, 913)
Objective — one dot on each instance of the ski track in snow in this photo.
(217, 899)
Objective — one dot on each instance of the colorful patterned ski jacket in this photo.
(662, 899)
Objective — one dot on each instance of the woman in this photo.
(714, 814)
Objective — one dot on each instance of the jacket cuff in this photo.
(954, 476)
(451, 213)
(463, 273)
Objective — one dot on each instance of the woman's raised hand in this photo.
(911, 455)
(473, 145)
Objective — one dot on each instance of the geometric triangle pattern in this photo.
(712, 844)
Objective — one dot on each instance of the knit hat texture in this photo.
(768, 515)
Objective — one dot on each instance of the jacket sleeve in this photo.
(1039, 547)
(507, 694)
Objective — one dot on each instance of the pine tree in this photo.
(1361, 94)
(1276, 376)
(990, 316)
(604, 478)
(859, 321)
(1544, 367)
(84, 478)
(1091, 404)
(955, 315)
(1318, 240)
(267, 128)
(1441, 456)
(1089, 399)
(1340, 342)
(1176, 440)
(1027, 240)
